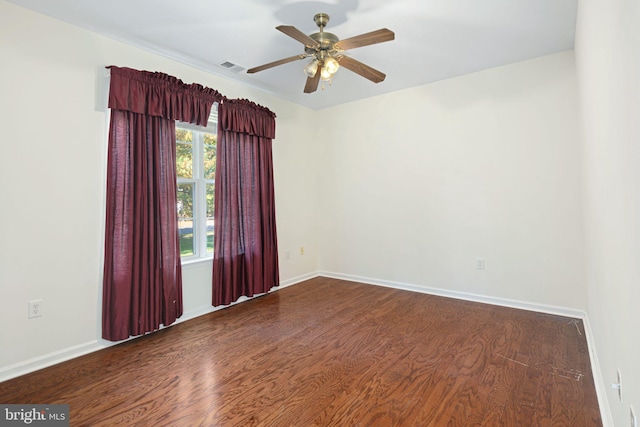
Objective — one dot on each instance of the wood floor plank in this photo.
(329, 352)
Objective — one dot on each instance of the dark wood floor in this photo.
(328, 352)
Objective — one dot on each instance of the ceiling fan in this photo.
(326, 51)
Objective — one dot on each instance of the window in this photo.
(196, 168)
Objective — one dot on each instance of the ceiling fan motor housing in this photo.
(326, 41)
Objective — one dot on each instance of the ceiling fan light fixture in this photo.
(331, 65)
(311, 68)
(329, 68)
(325, 74)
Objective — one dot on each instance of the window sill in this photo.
(195, 262)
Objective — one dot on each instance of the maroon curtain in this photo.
(142, 286)
(245, 254)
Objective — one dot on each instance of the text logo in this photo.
(34, 415)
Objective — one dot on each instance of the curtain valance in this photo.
(161, 95)
(244, 116)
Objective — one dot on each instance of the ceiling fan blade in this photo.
(275, 63)
(360, 68)
(312, 82)
(295, 33)
(378, 36)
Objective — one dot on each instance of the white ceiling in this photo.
(434, 39)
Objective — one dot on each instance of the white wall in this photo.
(419, 183)
(608, 63)
(53, 117)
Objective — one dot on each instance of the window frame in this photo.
(199, 183)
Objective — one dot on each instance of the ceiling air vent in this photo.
(232, 67)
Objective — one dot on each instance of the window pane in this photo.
(185, 231)
(183, 135)
(184, 160)
(185, 219)
(210, 210)
(210, 235)
(209, 159)
(185, 200)
(210, 199)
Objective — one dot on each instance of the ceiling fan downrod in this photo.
(321, 20)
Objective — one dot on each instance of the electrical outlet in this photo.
(301, 250)
(35, 308)
(480, 263)
(632, 416)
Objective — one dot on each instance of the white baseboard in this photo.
(50, 359)
(298, 279)
(549, 309)
(598, 379)
(201, 311)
